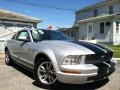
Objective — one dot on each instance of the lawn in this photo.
(116, 50)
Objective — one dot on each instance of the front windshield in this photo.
(49, 35)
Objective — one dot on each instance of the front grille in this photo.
(98, 58)
(103, 70)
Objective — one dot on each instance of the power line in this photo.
(39, 5)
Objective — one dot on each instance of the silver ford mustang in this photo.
(54, 57)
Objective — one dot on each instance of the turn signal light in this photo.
(71, 71)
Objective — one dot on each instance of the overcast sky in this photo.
(53, 17)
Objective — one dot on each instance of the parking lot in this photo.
(17, 78)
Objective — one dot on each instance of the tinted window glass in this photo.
(39, 35)
(55, 35)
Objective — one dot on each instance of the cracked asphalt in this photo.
(16, 78)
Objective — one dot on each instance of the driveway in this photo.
(17, 78)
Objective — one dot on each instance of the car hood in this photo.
(73, 47)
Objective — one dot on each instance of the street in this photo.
(16, 78)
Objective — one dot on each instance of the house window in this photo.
(110, 9)
(117, 27)
(68, 33)
(8, 24)
(29, 26)
(20, 25)
(102, 27)
(72, 34)
(95, 12)
(108, 23)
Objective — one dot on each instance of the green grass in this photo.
(116, 50)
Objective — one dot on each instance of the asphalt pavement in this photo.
(16, 78)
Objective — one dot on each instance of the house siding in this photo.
(105, 37)
(82, 31)
(103, 9)
(86, 16)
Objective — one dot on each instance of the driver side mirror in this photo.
(24, 40)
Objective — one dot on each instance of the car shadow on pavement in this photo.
(90, 86)
(23, 70)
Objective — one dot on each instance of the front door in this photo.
(90, 31)
(22, 43)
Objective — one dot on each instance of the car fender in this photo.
(50, 54)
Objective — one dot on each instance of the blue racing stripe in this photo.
(92, 47)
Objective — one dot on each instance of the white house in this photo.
(99, 23)
(11, 22)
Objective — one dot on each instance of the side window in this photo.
(22, 36)
(37, 35)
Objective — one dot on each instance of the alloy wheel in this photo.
(46, 73)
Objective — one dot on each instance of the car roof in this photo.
(44, 30)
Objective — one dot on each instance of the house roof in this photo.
(97, 5)
(9, 15)
(104, 16)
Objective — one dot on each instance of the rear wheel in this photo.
(45, 73)
(8, 60)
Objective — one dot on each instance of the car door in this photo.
(22, 43)
(15, 46)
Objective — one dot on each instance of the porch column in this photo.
(116, 32)
(113, 32)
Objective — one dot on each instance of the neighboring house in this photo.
(72, 32)
(99, 22)
(15, 22)
(11, 22)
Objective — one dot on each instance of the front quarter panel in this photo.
(50, 54)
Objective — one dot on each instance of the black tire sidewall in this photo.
(9, 63)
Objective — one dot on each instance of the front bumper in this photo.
(88, 72)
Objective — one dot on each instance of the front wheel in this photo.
(45, 74)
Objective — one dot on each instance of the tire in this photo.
(8, 59)
(45, 74)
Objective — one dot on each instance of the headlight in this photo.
(71, 60)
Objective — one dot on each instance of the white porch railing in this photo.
(91, 41)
